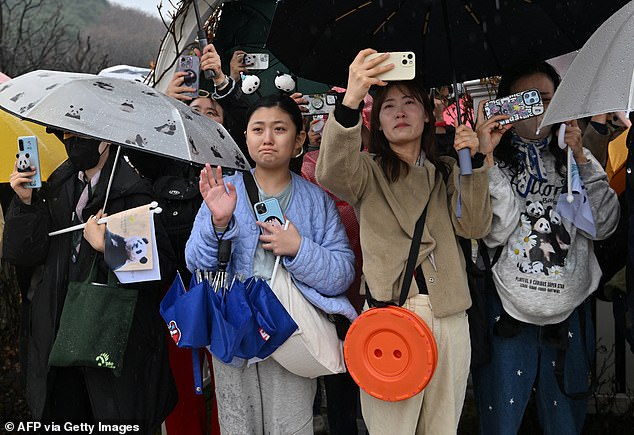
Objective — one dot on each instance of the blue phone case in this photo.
(28, 156)
(271, 211)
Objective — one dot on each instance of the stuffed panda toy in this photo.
(24, 164)
(284, 82)
(120, 251)
(250, 84)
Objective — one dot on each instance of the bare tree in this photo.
(31, 39)
(128, 36)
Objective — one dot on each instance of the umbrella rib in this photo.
(382, 25)
(353, 10)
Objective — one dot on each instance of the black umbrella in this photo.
(318, 39)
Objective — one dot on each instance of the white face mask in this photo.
(527, 129)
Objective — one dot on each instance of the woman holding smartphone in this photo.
(389, 190)
(264, 397)
(540, 327)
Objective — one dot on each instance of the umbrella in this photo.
(318, 39)
(272, 324)
(122, 112)
(601, 78)
(52, 151)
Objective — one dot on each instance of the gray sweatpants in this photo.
(263, 399)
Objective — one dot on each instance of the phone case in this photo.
(28, 156)
(269, 211)
(320, 104)
(256, 60)
(522, 105)
(190, 65)
(404, 65)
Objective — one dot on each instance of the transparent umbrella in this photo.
(122, 112)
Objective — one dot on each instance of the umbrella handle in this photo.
(561, 141)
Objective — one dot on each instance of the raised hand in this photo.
(210, 60)
(176, 89)
(489, 132)
(574, 141)
(362, 75)
(237, 66)
(221, 199)
(17, 181)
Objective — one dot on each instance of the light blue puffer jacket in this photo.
(323, 269)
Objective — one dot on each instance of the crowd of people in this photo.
(351, 187)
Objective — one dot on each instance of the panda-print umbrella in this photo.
(122, 112)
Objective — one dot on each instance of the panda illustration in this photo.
(561, 238)
(535, 209)
(121, 251)
(24, 164)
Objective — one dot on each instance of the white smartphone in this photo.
(256, 60)
(404, 65)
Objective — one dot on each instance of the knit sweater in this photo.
(388, 213)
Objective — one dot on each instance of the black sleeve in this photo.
(346, 116)
(25, 238)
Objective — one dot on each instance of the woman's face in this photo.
(527, 128)
(402, 117)
(272, 138)
(208, 107)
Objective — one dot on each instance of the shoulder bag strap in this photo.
(252, 188)
(409, 268)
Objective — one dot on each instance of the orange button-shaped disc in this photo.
(390, 353)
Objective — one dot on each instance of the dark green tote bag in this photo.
(95, 324)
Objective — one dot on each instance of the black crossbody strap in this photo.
(409, 268)
(252, 188)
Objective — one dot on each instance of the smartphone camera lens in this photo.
(410, 56)
(260, 208)
(404, 62)
(21, 145)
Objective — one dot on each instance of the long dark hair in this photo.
(284, 102)
(505, 152)
(393, 167)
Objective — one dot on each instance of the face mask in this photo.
(83, 153)
(527, 129)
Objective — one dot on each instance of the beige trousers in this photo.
(435, 410)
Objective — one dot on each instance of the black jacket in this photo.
(145, 390)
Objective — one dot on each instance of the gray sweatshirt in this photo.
(547, 266)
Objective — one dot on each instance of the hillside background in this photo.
(71, 35)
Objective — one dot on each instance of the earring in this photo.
(301, 151)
